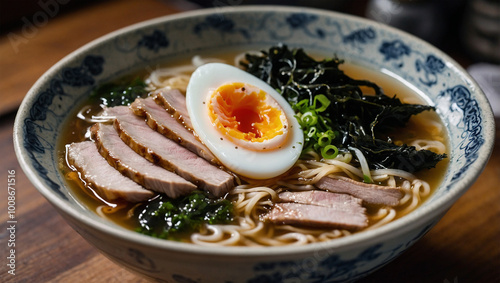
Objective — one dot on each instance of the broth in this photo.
(426, 125)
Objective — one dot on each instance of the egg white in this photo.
(246, 162)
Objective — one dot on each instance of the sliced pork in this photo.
(369, 193)
(316, 216)
(343, 202)
(109, 183)
(175, 103)
(169, 154)
(161, 121)
(136, 167)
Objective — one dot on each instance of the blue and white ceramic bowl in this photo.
(440, 80)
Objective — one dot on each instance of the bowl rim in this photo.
(397, 227)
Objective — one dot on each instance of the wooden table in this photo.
(463, 247)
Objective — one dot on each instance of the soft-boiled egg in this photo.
(246, 124)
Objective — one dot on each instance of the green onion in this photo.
(301, 106)
(324, 139)
(327, 153)
(325, 102)
(312, 132)
(318, 134)
(309, 118)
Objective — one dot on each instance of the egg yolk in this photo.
(247, 114)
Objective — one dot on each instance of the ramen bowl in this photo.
(436, 77)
